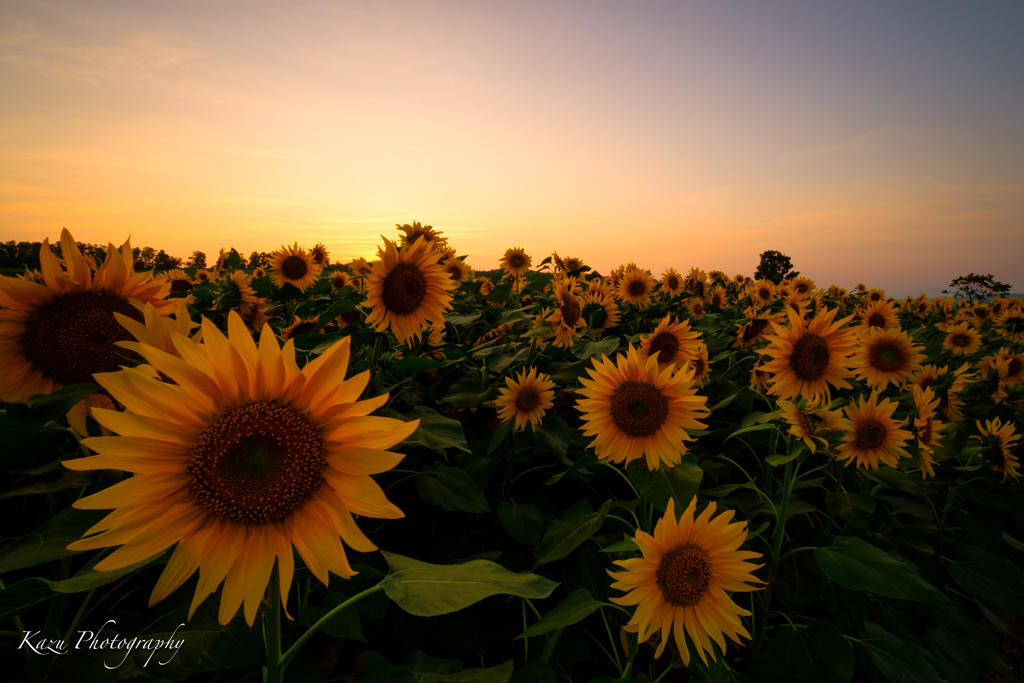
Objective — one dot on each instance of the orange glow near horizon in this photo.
(664, 135)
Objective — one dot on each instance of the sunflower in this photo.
(340, 279)
(876, 296)
(257, 317)
(962, 340)
(236, 291)
(516, 261)
(458, 271)
(740, 279)
(61, 330)
(203, 275)
(635, 287)
(996, 441)
(887, 356)
(803, 286)
(881, 315)
(259, 272)
(407, 289)
(1010, 367)
(1010, 324)
(300, 326)
(294, 266)
(718, 298)
(526, 399)
(809, 422)
(672, 282)
(634, 411)
(717, 276)
(696, 282)
(873, 435)
(320, 255)
(762, 293)
(760, 379)
(797, 304)
(157, 330)
(928, 429)
(754, 330)
(861, 287)
(244, 457)
(671, 343)
(360, 267)
(947, 386)
(572, 263)
(485, 286)
(700, 365)
(685, 578)
(979, 312)
(567, 317)
(411, 233)
(179, 279)
(600, 311)
(805, 360)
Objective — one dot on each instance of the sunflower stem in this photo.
(273, 672)
(779, 533)
(611, 641)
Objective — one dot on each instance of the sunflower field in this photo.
(401, 470)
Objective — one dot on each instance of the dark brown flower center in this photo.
(303, 327)
(876, 320)
(809, 359)
(754, 328)
(256, 462)
(570, 309)
(764, 293)
(180, 285)
(802, 288)
(1014, 367)
(960, 340)
(698, 309)
(517, 260)
(638, 408)
(404, 288)
(673, 282)
(875, 297)
(924, 434)
(637, 287)
(527, 399)
(666, 345)
(870, 434)
(684, 574)
(886, 357)
(71, 337)
(295, 268)
(981, 312)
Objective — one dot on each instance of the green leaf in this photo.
(752, 428)
(855, 564)
(416, 364)
(991, 578)
(49, 407)
(494, 674)
(523, 522)
(516, 315)
(535, 672)
(681, 482)
(54, 480)
(898, 661)
(467, 393)
(816, 653)
(581, 465)
(49, 542)
(451, 488)
(854, 508)
(585, 349)
(567, 373)
(552, 436)
(343, 625)
(427, 590)
(33, 447)
(579, 523)
(961, 646)
(1012, 542)
(435, 431)
(461, 318)
(575, 608)
(502, 431)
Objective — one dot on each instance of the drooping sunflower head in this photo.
(928, 429)
(754, 329)
(516, 261)
(359, 267)
(526, 399)
(251, 457)
(696, 282)
(998, 442)
(567, 316)
(635, 287)
(407, 289)
(484, 286)
(59, 329)
(873, 435)
(671, 343)
(320, 254)
(700, 364)
(412, 233)
(179, 279)
(300, 326)
(295, 266)
(962, 340)
(633, 411)
(684, 579)
(811, 422)
(806, 360)
(760, 379)
(887, 355)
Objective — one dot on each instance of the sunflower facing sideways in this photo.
(567, 317)
(632, 410)
(873, 436)
(806, 360)
(927, 428)
(671, 343)
(294, 266)
(407, 289)
(996, 441)
(684, 579)
(887, 355)
(810, 422)
(58, 328)
(526, 399)
(242, 458)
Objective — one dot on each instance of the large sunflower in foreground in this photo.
(407, 289)
(295, 266)
(807, 359)
(671, 343)
(873, 435)
(996, 441)
(526, 399)
(633, 411)
(684, 580)
(887, 355)
(243, 458)
(58, 328)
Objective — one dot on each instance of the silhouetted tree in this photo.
(980, 287)
(196, 260)
(774, 267)
(258, 259)
(165, 261)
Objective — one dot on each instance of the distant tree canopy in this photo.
(980, 287)
(26, 255)
(196, 260)
(258, 259)
(774, 267)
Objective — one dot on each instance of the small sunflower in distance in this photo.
(526, 399)
(411, 233)
(672, 282)
(516, 262)
(633, 411)
(243, 458)
(806, 360)
(887, 355)
(293, 265)
(635, 287)
(320, 255)
(671, 343)
(996, 441)
(407, 289)
(873, 436)
(340, 279)
(962, 340)
(684, 579)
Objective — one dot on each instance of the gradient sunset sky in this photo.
(871, 141)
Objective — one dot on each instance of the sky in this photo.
(874, 142)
